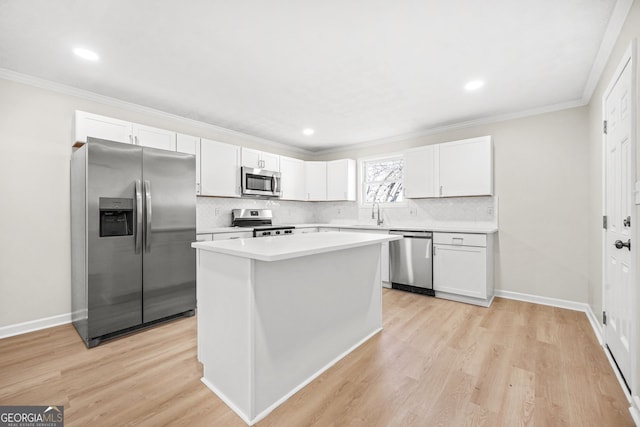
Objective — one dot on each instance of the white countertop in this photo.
(453, 228)
(448, 228)
(279, 248)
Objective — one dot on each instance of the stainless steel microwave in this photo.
(260, 182)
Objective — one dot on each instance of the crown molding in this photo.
(457, 126)
(129, 106)
(614, 27)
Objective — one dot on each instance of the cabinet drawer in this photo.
(460, 239)
(305, 230)
(228, 236)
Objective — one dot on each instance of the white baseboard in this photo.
(284, 398)
(635, 410)
(595, 324)
(34, 325)
(634, 401)
(553, 302)
(227, 401)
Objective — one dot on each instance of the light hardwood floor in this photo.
(435, 363)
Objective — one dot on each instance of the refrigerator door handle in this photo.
(138, 232)
(147, 228)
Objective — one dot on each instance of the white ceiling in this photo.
(355, 71)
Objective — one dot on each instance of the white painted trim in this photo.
(280, 401)
(456, 126)
(595, 324)
(628, 59)
(597, 329)
(227, 401)
(465, 299)
(536, 299)
(34, 325)
(616, 22)
(129, 106)
(635, 410)
(284, 398)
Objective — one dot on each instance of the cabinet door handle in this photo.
(441, 190)
(136, 140)
(130, 139)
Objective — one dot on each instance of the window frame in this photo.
(362, 174)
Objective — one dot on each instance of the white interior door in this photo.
(619, 178)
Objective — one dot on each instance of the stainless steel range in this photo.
(261, 220)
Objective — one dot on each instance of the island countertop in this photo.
(279, 248)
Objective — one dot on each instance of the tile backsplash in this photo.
(463, 211)
(214, 212)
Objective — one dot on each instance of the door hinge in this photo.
(604, 222)
(604, 317)
(604, 127)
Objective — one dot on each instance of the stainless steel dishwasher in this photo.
(412, 261)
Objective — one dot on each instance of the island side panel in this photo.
(309, 311)
(224, 298)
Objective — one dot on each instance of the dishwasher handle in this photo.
(418, 234)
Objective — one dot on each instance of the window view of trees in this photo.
(383, 180)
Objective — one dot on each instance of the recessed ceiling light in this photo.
(86, 54)
(308, 132)
(473, 85)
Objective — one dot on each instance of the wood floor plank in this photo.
(436, 362)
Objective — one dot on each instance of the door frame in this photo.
(628, 57)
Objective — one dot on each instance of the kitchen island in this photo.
(276, 312)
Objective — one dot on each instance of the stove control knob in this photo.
(265, 233)
(277, 232)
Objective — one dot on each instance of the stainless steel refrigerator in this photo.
(133, 218)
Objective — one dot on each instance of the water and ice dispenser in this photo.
(116, 217)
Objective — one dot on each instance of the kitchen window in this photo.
(382, 181)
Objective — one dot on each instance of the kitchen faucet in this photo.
(373, 216)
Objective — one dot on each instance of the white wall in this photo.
(630, 31)
(541, 182)
(36, 133)
(541, 179)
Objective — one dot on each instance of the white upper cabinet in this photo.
(260, 159)
(466, 168)
(220, 169)
(96, 126)
(341, 180)
(293, 179)
(316, 180)
(459, 168)
(421, 172)
(190, 145)
(147, 136)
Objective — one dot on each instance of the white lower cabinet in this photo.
(233, 235)
(384, 254)
(463, 267)
(305, 230)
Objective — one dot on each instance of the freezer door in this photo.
(114, 288)
(169, 265)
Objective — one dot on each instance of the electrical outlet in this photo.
(216, 211)
(339, 211)
(490, 210)
(413, 211)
